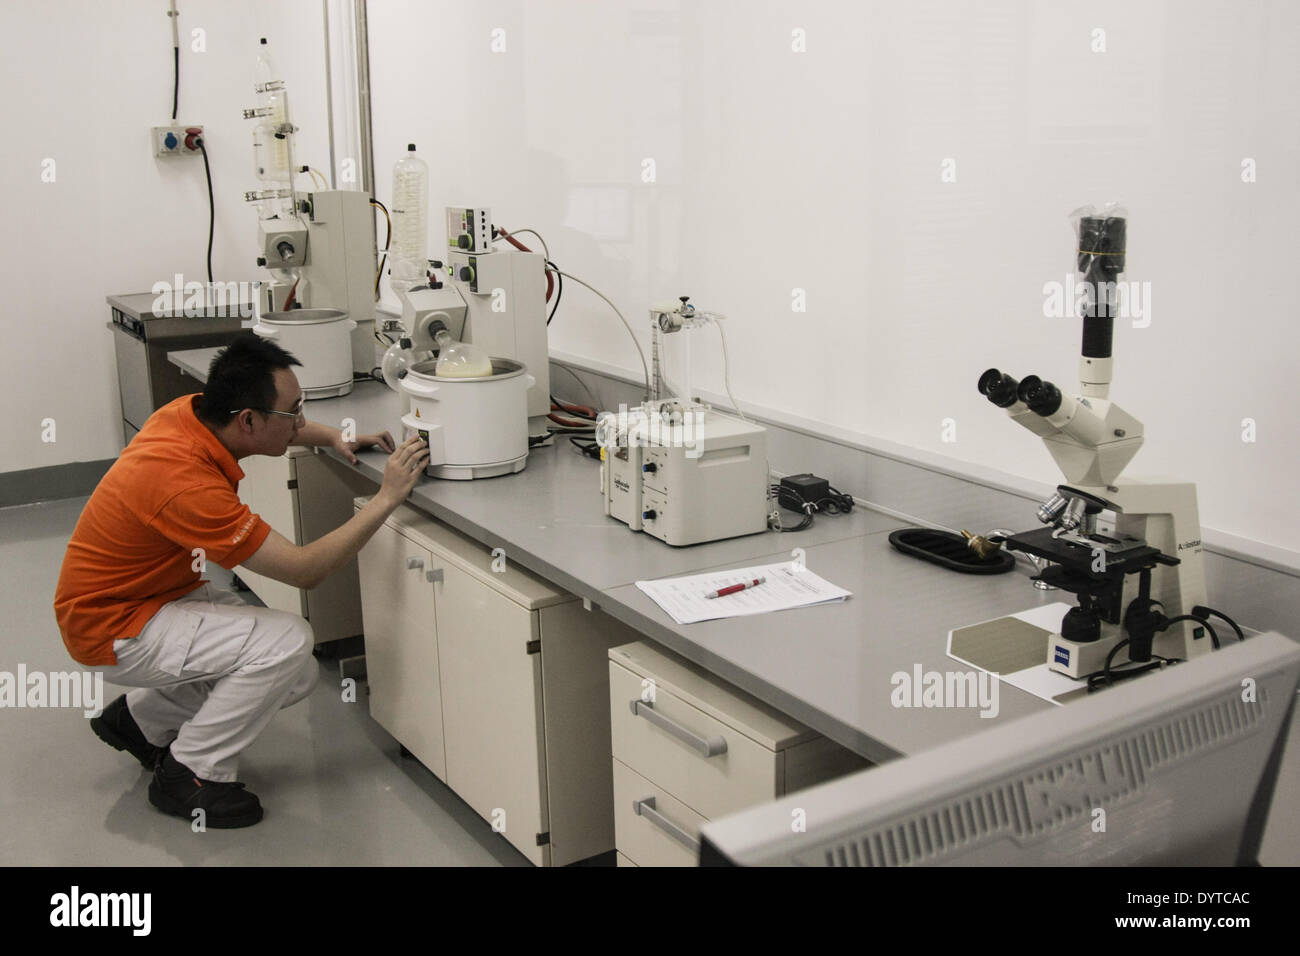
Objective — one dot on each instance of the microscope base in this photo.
(1078, 660)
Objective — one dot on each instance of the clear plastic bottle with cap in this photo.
(410, 214)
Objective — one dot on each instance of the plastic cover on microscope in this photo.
(1101, 235)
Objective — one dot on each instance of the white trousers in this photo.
(210, 672)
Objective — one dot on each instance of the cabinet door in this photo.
(575, 696)
(402, 661)
(133, 380)
(492, 709)
(324, 501)
(266, 490)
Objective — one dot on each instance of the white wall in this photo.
(821, 170)
(86, 79)
(775, 170)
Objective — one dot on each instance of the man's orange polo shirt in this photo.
(172, 491)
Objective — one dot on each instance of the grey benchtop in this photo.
(829, 667)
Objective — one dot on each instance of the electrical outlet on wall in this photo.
(176, 139)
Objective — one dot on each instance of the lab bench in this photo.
(827, 668)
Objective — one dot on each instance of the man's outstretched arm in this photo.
(307, 566)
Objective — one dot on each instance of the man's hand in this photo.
(405, 465)
(383, 440)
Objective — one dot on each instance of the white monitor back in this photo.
(1173, 768)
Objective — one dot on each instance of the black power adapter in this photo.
(807, 495)
(804, 488)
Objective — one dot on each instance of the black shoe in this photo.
(117, 728)
(175, 789)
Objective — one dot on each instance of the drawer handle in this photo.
(433, 576)
(707, 746)
(413, 564)
(645, 807)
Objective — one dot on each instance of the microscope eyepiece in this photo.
(1044, 398)
(998, 387)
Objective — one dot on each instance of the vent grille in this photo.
(1050, 796)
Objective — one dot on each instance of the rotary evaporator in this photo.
(471, 354)
(318, 246)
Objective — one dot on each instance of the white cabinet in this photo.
(303, 496)
(497, 681)
(492, 707)
(402, 644)
(688, 749)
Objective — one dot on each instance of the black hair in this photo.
(242, 376)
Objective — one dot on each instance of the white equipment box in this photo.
(684, 474)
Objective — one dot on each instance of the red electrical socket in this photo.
(192, 135)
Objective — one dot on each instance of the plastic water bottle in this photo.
(410, 210)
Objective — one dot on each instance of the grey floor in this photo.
(335, 790)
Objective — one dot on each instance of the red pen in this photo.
(732, 589)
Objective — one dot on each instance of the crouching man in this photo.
(208, 671)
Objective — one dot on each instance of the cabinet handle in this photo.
(414, 563)
(645, 807)
(433, 576)
(707, 746)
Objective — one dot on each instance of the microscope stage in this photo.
(1122, 555)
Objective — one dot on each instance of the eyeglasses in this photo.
(295, 413)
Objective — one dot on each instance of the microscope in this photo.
(1129, 550)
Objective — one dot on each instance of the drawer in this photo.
(644, 839)
(651, 743)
